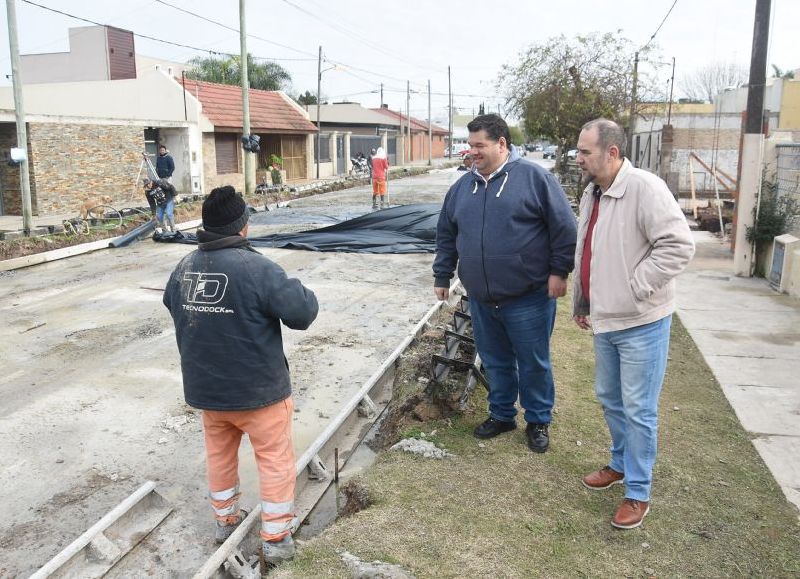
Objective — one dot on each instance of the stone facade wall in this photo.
(210, 177)
(77, 162)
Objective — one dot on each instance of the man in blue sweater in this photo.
(508, 226)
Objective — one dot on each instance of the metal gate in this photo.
(391, 154)
(363, 144)
(340, 165)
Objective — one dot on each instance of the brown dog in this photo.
(93, 206)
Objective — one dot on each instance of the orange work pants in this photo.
(270, 432)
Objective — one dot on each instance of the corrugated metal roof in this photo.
(350, 114)
(269, 111)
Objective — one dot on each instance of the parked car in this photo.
(550, 152)
(572, 153)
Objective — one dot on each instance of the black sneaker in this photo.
(538, 439)
(491, 428)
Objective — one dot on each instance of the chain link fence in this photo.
(788, 175)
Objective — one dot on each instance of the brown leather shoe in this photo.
(602, 479)
(630, 514)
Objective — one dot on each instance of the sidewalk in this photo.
(749, 335)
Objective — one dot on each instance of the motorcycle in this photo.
(360, 167)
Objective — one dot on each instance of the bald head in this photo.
(609, 134)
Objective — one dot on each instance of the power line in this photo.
(660, 25)
(349, 33)
(153, 38)
(236, 30)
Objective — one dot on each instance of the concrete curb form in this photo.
(63, 252)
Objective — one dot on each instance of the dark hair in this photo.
(609, 134)
(494, 125)
(162, 146)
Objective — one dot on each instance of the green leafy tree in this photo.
(227, 70)
(517, 137)
(560, 84)
(307, 98)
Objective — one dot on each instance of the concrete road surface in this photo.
(91, 385)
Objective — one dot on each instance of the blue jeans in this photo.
(630, 366)
(513, 340)
(168, 208)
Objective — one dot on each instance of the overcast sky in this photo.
(414, 40)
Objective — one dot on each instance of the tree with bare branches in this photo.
(562, 83)
(707, 81)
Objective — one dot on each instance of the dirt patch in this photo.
(356, 495)
(9, 249)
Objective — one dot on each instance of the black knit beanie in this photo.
(224, 212)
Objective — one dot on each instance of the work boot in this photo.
(276, 552)
(384, 204)
(490, 428)
(222, 532)
(374, 202)
(538, 438)
(601, 479)
(630, 514)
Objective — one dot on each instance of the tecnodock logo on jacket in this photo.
(205, 290)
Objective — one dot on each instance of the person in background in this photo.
(466, 163)
(228, 303)
(165, 165)
(161, 198)
(633, 240)
(380, 167)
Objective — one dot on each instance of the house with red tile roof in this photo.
(416, 147)
(281, 123)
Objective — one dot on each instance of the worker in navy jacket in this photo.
(165, 165)
(509, 228)
(228, 303)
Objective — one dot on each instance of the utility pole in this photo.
(749, 195)
(249, 186)
(319, 97)
(381, 95)
(19, 109)
(632, 115)
(402, 139)
(671, 86)
(430, 127)
(449, 115)
(408, 119)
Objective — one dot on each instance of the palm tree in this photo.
(227, 70)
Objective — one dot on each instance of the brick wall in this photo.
(695, 139)
(210, 177)
(76, 162)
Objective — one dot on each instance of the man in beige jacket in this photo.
(633, 240)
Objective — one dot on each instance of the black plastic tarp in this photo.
(402, 229)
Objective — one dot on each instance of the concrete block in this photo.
(9, 235)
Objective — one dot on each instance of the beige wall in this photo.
(154, 98)
(74, 163)
(86, 59)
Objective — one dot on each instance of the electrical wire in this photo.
(236, 30)
(660, 25)
(153, 38)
